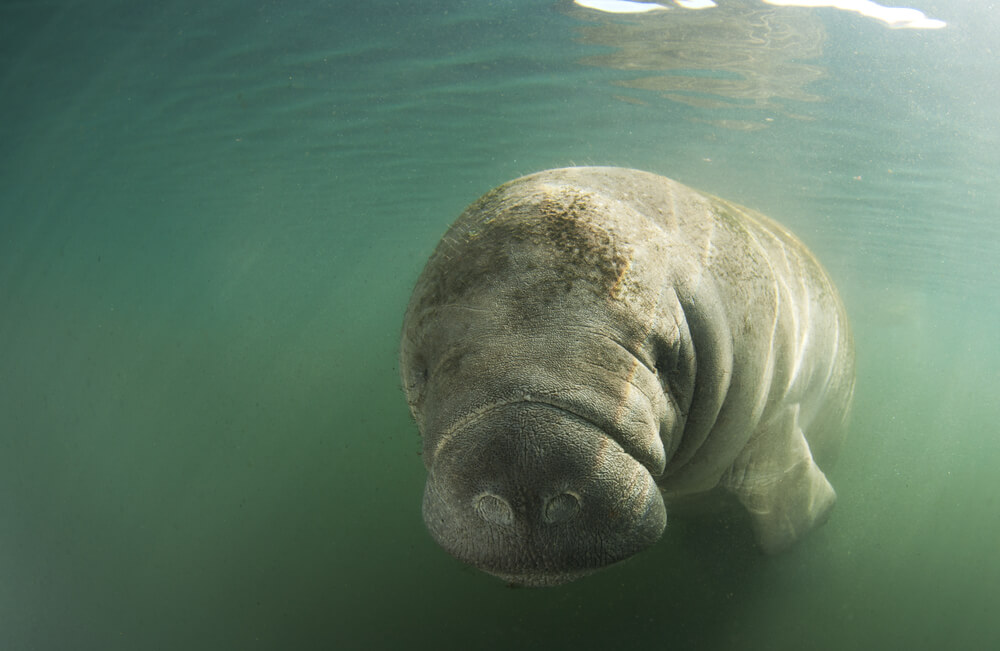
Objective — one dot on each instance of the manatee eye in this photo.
(664, 352)
(418, 373)
(663, 359)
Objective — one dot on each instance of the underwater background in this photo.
(212, 215)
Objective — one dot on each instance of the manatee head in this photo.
(537, 495)
(535, 353)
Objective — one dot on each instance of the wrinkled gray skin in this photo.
(587, 345)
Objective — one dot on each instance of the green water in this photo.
(212, 214)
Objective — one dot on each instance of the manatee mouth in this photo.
(536, 495)
(470, 421)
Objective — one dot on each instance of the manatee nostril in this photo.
(493, 508)
(561, 507)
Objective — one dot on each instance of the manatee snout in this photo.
(536, 495)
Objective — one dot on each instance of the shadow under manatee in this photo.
(700, 576)
(687, 590)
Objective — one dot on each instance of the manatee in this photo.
(588, 346)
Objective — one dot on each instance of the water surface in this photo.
(212, 214)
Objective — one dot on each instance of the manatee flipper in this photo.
(777, 481)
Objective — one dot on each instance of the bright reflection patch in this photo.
(619, 6)
(895, 17)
